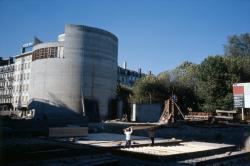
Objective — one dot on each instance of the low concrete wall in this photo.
(68, 131)
(5, 113)
(146, 112)
(9, 113)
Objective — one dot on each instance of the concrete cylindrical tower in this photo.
(87, 69)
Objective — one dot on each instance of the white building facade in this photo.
(22, 80)
(6, 84)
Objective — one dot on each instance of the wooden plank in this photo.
(224, 111)
(142, 127)
(68, 131)
(224, 117)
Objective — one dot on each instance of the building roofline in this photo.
(23, 54)
(94, 29)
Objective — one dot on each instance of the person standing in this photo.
(151, 134)
(128, 133)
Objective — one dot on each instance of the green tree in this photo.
(149, 89)
(165, 77)
(240, 67)
(245, 77)
(182, 82)
(215, 84)
(185, 85)
(124, 94)
(186, 74)
(238, 45)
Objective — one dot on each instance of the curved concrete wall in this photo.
(89, 65)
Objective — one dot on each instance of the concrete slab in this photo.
(182, 151)
(184, 147)
(109, 140)
(164, 149)
(230, 158)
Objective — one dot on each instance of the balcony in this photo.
(6, 96)
(7, 70)
(11, 78)
(10, 87)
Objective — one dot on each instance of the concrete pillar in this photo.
(242, 114)
(133, 116)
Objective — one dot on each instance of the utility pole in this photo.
(150, 98)
(242, 114)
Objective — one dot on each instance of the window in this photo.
(49, 52)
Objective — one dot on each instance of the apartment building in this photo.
(127, 77)
(6, 83)
(22, 80)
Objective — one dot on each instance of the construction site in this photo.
(125, 83)
(75, 115)
(178, 139)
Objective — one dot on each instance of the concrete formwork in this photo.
(165, 151)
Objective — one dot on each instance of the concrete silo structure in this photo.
(81, 65)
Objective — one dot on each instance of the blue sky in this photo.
(155, 35)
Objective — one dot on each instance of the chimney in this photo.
(149, 72)
(139, 71)
(125, 65)
(22, 50)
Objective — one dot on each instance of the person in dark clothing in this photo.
(151, 134)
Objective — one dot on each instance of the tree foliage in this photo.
(238, 45)
(186, 74)
(204, 87)
(214, 84)
(149, 89)
(124, 94)
(152, 89)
